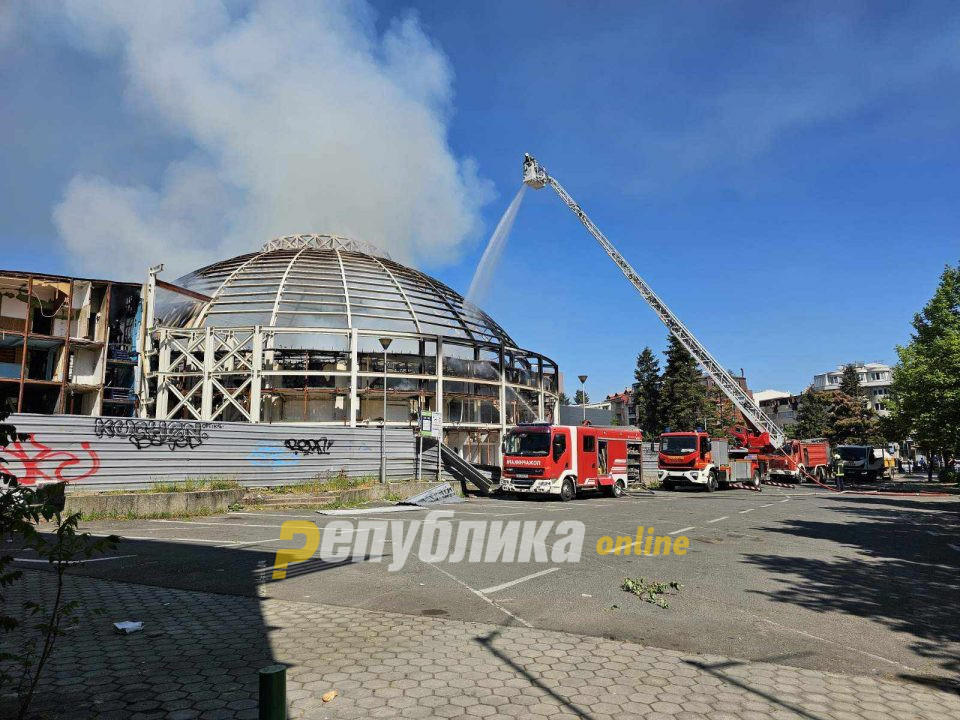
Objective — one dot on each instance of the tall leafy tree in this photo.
(564, 399)
(646, 393)
(581, 397)
(683, 401)
(813, 415)
(925, 395)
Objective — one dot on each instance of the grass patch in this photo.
(114, 515)
(651, 591)
(190, 484)
(197, 484)
(328, 482)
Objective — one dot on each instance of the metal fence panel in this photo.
(131, 452)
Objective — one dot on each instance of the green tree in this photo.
(683, 397)
(581, 397)
(646, 393)
(813, 415)
(564, 399)
(851, 419)
(850, 382)
(925, 395)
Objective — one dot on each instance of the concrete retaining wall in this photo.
(145, 504)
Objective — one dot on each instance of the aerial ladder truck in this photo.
(686, 457)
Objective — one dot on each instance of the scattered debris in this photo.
(370, 510)
(329, 695)
(651, 591)
(441, 494)
(128, 626)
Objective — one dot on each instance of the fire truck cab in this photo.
(565, 460)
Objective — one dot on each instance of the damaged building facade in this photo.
(292, 334)
(68, 345)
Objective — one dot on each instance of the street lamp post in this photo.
(583, 397)
(384, 343)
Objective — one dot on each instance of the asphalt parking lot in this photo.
(853, 584)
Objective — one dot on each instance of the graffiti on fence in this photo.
(309, 446)
(154, 433)
(272, 455)
(40, 463)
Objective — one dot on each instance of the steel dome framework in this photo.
(290, 334)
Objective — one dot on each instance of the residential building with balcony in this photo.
(875, 379)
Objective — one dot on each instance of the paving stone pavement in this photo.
(198, 655)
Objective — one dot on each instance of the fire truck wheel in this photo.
(568, 490)
(618, 490)
(801, 474)
(821, 475)
(755, 480)
(712, 483)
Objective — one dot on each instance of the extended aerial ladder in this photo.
(535, 176)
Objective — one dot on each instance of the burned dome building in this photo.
(295, 333)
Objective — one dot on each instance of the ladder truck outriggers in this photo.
(704, 462)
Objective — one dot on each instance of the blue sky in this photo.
(784, 175)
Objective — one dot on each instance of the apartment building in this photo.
(875, 379)
(780, 405)
(621, 406)
(67, 345)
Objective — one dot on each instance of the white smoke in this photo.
(302, 118)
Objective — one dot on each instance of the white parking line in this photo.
(725, 517)
(169, 539)
(313, 516)
(505, 585)
(214, 524)
(785, 500)
(482, 596)
(677, 532)
(747, 510)
(767, 505)
(76, 562)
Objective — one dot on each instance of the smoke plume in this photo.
(300, 116)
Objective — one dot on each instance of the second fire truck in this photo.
(566, 460)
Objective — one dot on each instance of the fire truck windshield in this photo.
(527, 443)
(678, 444)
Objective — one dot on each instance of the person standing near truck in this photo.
(838, 471)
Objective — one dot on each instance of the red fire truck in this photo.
(565, 460)
(796, 458)
(695, 459)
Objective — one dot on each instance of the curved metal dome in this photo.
(327, 281)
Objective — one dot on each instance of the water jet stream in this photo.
(491, 255)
